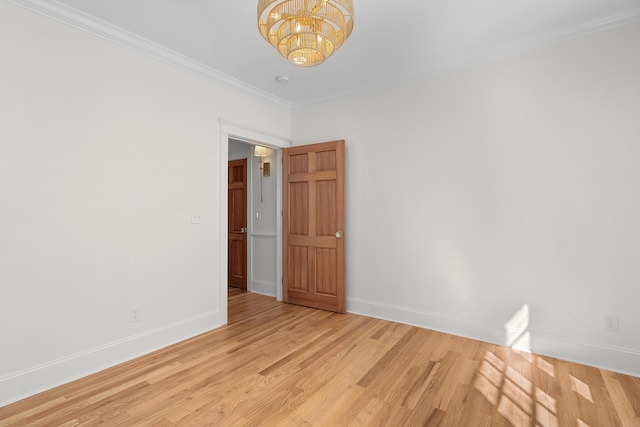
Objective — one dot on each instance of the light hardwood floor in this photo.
(282, 365)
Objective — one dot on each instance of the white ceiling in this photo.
(391, 40)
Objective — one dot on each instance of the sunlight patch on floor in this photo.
(546, 410)
(514, 395)
(581, 388)
(546, 367)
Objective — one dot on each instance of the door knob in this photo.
(243, 230)
(339, 234)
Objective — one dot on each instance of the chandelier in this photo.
(306, 32)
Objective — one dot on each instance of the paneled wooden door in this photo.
(237, 240)
(313, 201)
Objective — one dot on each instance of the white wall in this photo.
(263, 230)
(104, 154)
(477, 192)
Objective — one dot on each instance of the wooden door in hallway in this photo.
(237, 240)
(313, 201)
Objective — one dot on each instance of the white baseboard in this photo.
(29, 382)
(623, 360)
(263, 287)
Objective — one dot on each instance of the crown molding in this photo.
(90, 24)
(510, 49)
(105, 30)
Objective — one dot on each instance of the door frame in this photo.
(231, 130)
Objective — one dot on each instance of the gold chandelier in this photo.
(306, 32)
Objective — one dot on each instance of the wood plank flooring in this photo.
(282, 365)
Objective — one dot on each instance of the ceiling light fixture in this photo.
(306, 32)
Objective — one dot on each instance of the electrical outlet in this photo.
(611, 323)
(196, 217)
(135, 314)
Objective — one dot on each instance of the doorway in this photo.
(253, 220)
(264, 245)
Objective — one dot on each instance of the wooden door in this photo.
(237, 240)
(313, 201)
